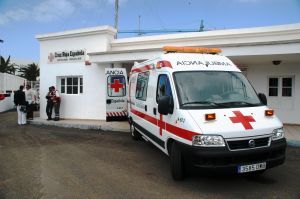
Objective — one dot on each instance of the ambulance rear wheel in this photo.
(177, 162)
(134, 133)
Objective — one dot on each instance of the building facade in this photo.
(74, 61)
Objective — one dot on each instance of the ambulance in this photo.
(198, 108)
(116, 94)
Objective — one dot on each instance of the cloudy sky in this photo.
(20, 21)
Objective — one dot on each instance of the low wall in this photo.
(7, 103)
(8, 84)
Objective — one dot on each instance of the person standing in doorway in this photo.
(49, 106)
(56, 103)
(20, 102)
(30, 99)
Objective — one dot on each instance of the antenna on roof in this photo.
(139, 26)
(116, 16)
(201, 29)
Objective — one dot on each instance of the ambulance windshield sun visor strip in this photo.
(188, 49)
(208, 141)
(278, 134)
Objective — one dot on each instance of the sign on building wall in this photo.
(66, 56)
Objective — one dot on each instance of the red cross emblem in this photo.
(51, 57)
(116, 85)
(245, 120)
(161, 124)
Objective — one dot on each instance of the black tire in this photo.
(177, 163)
(134, 133)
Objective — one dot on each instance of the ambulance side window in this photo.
(116, 86)
(141, 86)
(163, 87)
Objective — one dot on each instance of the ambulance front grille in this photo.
(244, 144)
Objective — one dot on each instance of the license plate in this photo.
(251, 167)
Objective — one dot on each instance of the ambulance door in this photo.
(163, 89)
(145, 108)
(116, 91)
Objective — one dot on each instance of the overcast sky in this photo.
(20, 21)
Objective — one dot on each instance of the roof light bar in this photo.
(186, 49)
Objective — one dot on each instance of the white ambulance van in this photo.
(116, 94)
(198, 108)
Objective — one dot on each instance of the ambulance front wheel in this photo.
(134, 133)
(177, 162)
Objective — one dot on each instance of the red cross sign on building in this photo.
(116, 85)
(51, 57)
(245, 120)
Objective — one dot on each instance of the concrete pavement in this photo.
(292, 132)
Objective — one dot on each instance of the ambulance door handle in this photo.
(154, 111)
(146, 108)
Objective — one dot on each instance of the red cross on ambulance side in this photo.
(244, 119)
(161, 124)
(116, 85)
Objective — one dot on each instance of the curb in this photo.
(60, 124)
(80, 126)
(294, 143)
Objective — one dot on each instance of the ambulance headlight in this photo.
(208, 140)
(278, 134)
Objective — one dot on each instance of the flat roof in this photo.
(213, 33)
(77, 33)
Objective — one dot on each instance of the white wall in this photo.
(12, 83)
(90, 104)
(286, 108)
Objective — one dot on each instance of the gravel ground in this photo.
(51, 162)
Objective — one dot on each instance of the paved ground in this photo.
(52, 162)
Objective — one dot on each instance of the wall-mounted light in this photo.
(276, 62)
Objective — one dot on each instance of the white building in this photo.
(269, 57)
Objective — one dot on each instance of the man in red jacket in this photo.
(56, 103)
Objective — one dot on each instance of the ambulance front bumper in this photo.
(223, 158)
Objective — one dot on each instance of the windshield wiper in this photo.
(204, 102)
(241, 102)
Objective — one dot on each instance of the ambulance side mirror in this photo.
(165, 105)
(263, 98)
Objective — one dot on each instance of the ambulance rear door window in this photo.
(116, 86)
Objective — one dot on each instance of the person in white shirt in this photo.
(20, 102)
(31, 100)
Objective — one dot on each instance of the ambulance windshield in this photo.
(214, 89)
